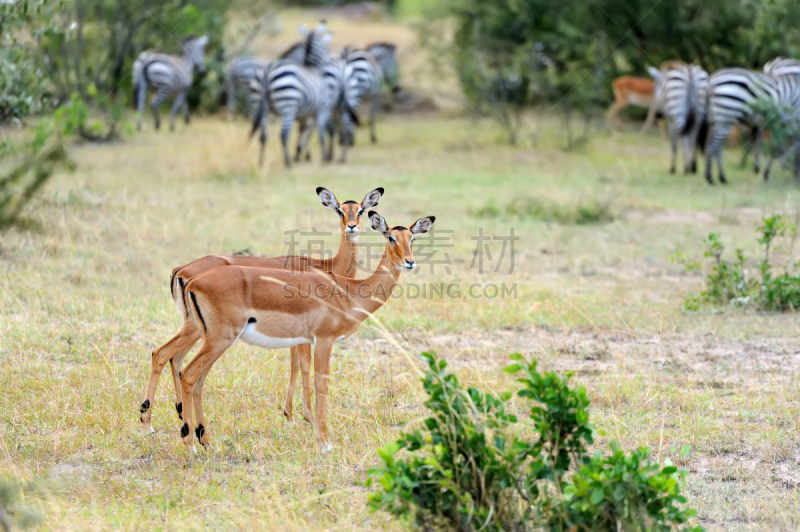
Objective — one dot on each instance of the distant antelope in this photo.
(275, 309)
(168, 74)
(639, 92)
(344, 264)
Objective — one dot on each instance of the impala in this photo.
(276, 309)
(639, 92)
(343, 264)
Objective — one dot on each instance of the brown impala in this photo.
(276, 309)
(343, 264)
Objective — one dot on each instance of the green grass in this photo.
(84, 301)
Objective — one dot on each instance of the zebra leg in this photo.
(186, 118)
(344, 126)
(286, 128)
(373, 112)
(179, 101)
(757, 150)
(673, 137)
(140, 104)
(302, 141)
(160, 96)
(322, 124)
(230, 96)
(716, 136)
(689, 163)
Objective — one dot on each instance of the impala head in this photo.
(350, 211)
(400, 239)
(194, 49)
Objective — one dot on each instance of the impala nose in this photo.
(410, 264)
(351, 227)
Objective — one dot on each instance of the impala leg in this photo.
(210, 351)
(305, 369)
(175, 348)
(295, 367)
(176, 361)
(322, 358)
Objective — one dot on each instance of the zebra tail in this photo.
(691, 115)
(257, 116)
(351, 113)
(702, 135)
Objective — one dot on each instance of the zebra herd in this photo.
(702, 109)
(307, 84)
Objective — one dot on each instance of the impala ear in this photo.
(378, 223)
(655, 73)
(422, 225)
(372, 198)
(328, 199)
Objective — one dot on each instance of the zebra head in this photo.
(316, 49)
(384, 54)
(194, 52)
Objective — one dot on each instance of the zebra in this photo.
(294, 92)
(384, 54)
(680, 93)
(344, 115)
(364, 76)
(241, 71)
(731, 93)
(168, 74)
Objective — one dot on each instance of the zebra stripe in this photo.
(731, 93)
(241, 71)
(167, 74)
(364, 77)
(680, 94)
(293, 92)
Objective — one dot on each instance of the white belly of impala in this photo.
(251, 336)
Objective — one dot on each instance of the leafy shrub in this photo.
(731, 282)
(581, 213)
(468, 470)
(35, 160)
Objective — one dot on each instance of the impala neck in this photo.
(346, 260)
(376, 289)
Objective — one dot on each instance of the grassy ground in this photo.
(84, 300)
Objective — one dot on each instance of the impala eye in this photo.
(341, 213)
(360, 212)
(392, 239)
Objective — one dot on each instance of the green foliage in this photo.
(35, 160)
(465, 475)
(468, 470)
(730, 282)
(623, 491)
(784, 129)
(581, 213)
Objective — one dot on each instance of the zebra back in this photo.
(781, 66)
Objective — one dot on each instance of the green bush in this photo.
(468, 470)
(731, 282)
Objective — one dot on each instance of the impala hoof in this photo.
(325, 447)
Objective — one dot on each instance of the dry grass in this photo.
(84, 300)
